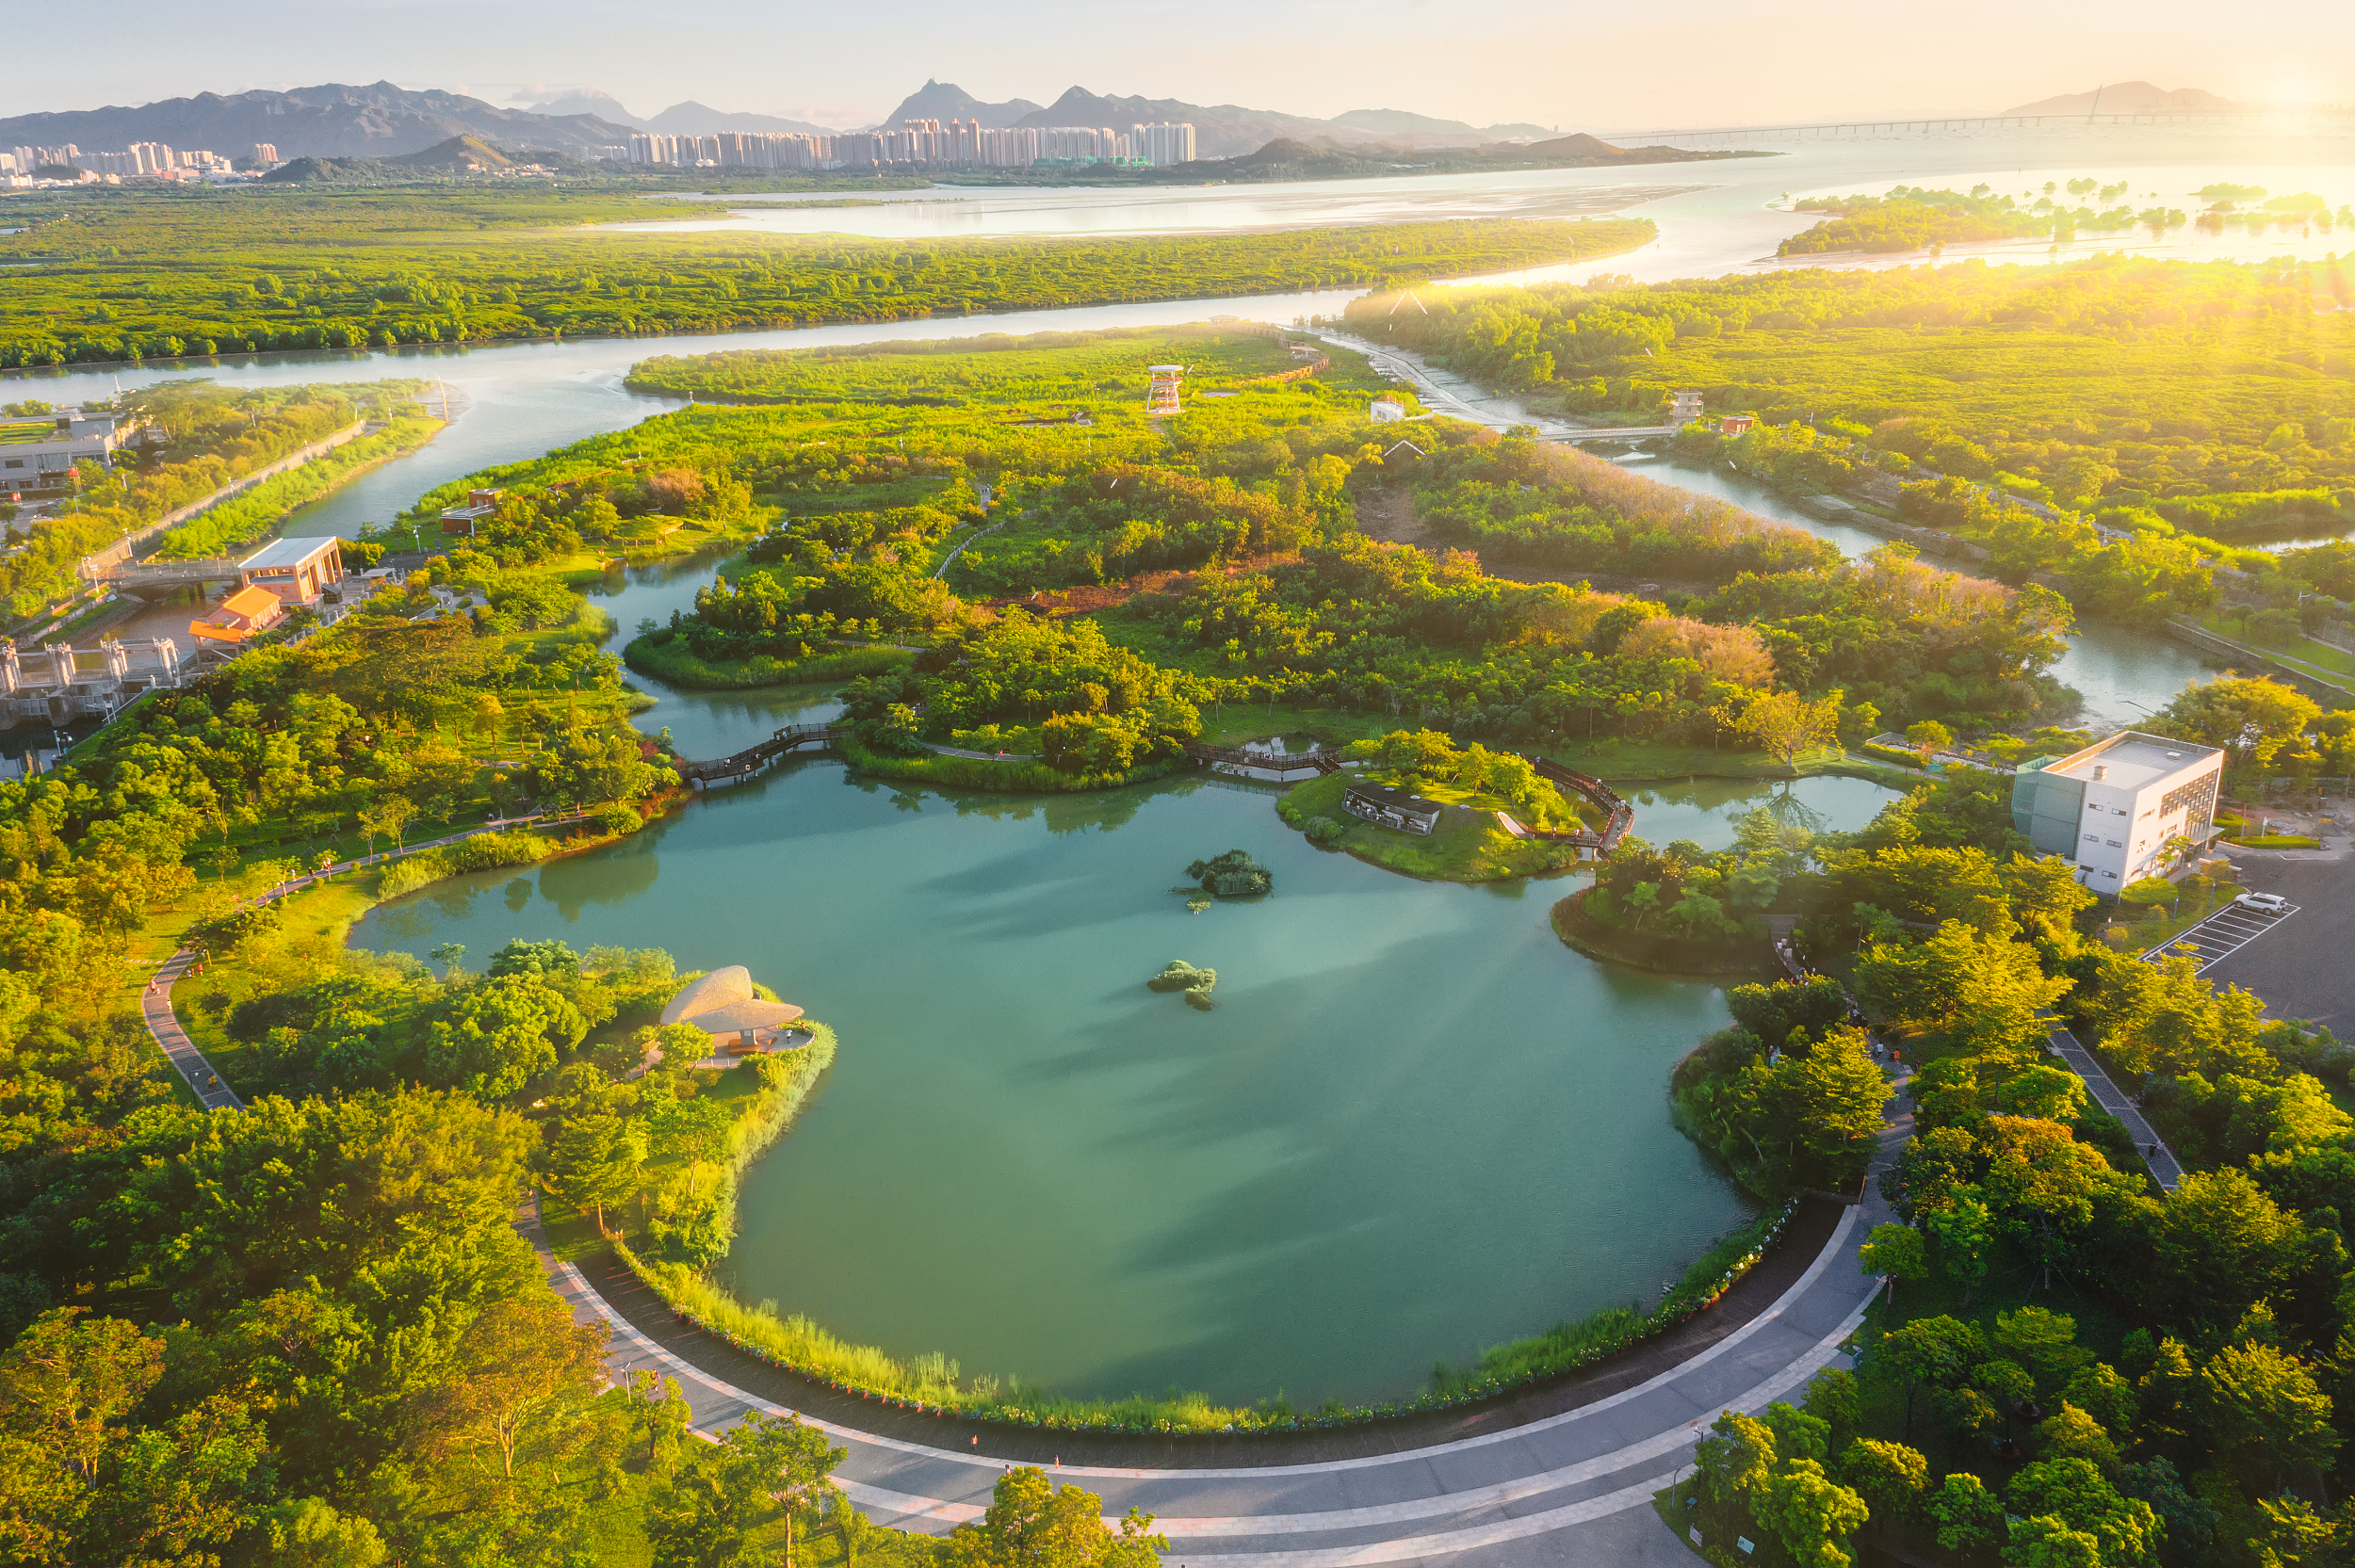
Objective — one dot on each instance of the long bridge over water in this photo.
(2286, 122)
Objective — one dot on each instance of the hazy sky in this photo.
(1573, 63)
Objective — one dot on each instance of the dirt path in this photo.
(1387, 513)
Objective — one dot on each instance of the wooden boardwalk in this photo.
(744, 763)
(1320, 761)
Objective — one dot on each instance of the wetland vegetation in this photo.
(113, 275)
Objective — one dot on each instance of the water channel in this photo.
(1416, 1123)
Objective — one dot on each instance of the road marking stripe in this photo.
(2239, 927)
(903, 1509)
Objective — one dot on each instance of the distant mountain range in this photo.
(383, 122)
(2131, 98)
(689, 119)
(331, 122)
(1220, 131)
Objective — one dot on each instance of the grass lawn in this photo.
(1468, 845)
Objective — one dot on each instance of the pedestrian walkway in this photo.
(163, 1022)
(2163, 1166)
(2221, 935)
(1574, 1486)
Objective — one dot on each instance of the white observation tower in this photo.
(1161, 394)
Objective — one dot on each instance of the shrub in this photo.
(1324, 830)
(617, 818)
(407, 876)
(489, 851)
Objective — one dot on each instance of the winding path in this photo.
(1561, 1474)
(1574, 1485)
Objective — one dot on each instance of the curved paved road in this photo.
(1573, 1487)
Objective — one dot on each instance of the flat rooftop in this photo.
(2133, 760)
(286, 552)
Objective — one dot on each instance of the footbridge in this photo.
(1617, 815)
(156, 579)
(1613, 433)
(744, 763)
(1318, 761)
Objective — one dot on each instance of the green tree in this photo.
(178, 1492)
(2045, 894)
(68, 1383)
(307, 1532)
(1812, 1515)
(1891, 1478)
(1936, 1353)
(1983, 991)
(1927, 736)
(1961, 1231)
(498, 1036)
(1831, 1100)
(2043, 1343)
(1895, 1252)
(1031, 1523)
(1784, 723)
(1736, 1460)
(2252, 718)
(2217, 1245)
(2261, 1406)
(2075, 1493)
(1968, 1516)
(518, 1363)
(726, 1495)
(597, 1160)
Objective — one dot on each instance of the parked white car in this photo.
(2264, 903)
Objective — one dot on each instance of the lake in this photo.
(1417, 1124)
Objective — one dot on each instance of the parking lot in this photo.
(2223, 933)
(2303, 966)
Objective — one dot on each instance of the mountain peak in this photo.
(946, 101)
(2131, 98)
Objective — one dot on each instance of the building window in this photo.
(2199, 795)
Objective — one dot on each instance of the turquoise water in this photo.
(1416, 1125)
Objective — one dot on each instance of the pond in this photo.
(1415, 1126)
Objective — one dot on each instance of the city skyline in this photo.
(1713, 64)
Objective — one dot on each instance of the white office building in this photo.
(2114, 807)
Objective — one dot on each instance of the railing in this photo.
(1620, 817)
(1271, 762)
(754, 758)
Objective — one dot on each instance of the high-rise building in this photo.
(1167, 142)
(265, 154)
